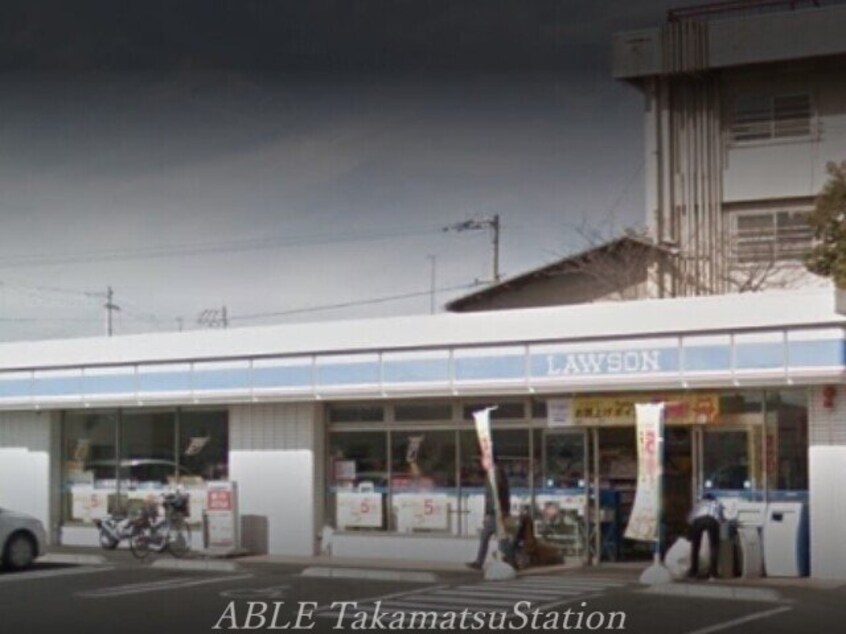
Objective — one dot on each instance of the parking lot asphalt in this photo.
(127, 597)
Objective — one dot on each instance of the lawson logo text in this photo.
(618, 362)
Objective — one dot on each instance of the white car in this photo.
(22, 539)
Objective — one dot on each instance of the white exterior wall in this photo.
(787, 168)
(29, 458)
(827, 465)
(275, 456)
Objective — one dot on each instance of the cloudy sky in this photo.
(281, 158)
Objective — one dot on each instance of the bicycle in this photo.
(172, 533)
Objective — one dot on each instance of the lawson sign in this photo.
(769, 354)
(561, 363)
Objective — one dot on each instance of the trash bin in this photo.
(727, 555)
(786, 547)
(750, 552)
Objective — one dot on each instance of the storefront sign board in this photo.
(88, 504)
(222, 516)
(680, 409)
(559, 412)
(358, 510)
(423, 511)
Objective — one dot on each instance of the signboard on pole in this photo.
(222, 518)
(644, 522)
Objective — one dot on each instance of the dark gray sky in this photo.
(277, 156)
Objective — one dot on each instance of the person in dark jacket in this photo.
(489, 525)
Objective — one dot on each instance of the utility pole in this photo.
(474, 224)
(110, 307)
(214, 318)
(432, 261)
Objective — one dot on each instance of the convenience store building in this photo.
(365, 426)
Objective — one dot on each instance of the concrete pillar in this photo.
(29, 455)
(275, 456)
(827, 475)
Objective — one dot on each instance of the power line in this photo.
(69, 320)
(362, 302)
(275, 242)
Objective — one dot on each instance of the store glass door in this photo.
(726, 465)
(616, 471)
(615, 480)
(561, 492)
(678, 485)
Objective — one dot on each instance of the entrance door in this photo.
(678, 481)
(725, 462)
(615, 472)
(561, 496)
(615, 478)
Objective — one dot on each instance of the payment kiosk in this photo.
(786, 546)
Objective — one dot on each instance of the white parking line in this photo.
(508, 592)
(156, 586)
(488, 596)
(476, 602)
(47, 574)
(570, 581)
(719, 627)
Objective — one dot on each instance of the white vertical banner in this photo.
(644, 522)
(483, 431)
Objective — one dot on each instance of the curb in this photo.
(699, 591)
(189, 564)
(370, 574)
(73, 560)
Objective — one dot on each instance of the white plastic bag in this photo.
(677, 558)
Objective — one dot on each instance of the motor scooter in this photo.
(113, 530)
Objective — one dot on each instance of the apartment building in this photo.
(744, 105)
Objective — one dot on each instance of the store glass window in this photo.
(358, 480)
(423, 480)
(203, 446)
(506, 410)
(539, 409)
(564, 461)
(89, 465)
(742, 406)
(356, 413)
(116, 461)
(419, 412)
(786, 440)
(726, 464)
(512, 452)
(148, 450)
(560, 489)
